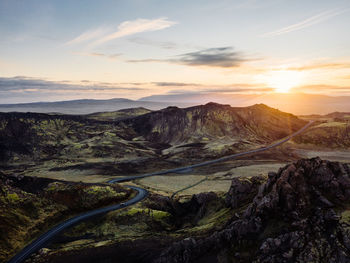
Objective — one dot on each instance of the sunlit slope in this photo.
(82, 141)
(212, 121)
(331, 131)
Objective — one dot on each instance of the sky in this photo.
(61, 50)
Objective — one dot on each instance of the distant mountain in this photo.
(339, 115)
(333, 115)
(296, 103)
(85, 106)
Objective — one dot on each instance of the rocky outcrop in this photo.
(294, 217)
(243, 190)
(190, 211)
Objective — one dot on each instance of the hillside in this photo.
(30, 205)
(331, 131)
(208, 130)
(257, 123)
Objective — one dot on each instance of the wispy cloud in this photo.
(174, 84)
(148, 42)
(317, 66)
(105, 34)
(110, 56)
(222, 57)
(225, 90)
(323, 87)
(99, 54)
(89, 35)
(162, 44)
(26, 84)
(316, 19)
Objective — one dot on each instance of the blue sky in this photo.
(130, 46)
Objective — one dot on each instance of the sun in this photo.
(283, 80)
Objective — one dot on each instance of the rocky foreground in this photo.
(298, 215)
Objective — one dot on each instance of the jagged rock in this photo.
(243, 190)
(290, 219)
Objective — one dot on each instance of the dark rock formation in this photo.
(294, 217)
(190, 211)
(243, 190)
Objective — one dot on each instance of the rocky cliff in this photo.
(300, 214)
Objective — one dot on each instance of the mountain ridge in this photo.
(296, 103)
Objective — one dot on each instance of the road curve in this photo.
(142, 193)
(49, 235)
(222, 159)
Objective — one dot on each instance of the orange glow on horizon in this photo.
(283, 80)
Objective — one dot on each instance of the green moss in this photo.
(13, 197)
(97, 190)
(345, 219)
(332, 124)
(159, 215)
(77, 146)
(216, 218)
(53, 186)
(133, 210)
(109, 134)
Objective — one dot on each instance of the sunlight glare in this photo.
(283, 80)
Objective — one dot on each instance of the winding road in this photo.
(41, 241)
(45, 238)
(184, 169)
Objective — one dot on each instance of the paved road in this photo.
(184, 169)
(142, 193)
(49, 235)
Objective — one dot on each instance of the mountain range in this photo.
(296, 103)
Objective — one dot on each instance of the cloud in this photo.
(223, 57)
(136, 26)
(162, 44)
(28, 85)
(89, 35)
(307, 22)
(98, 54)
(232, 88)
(148, 60)
(104, 34)
(223, 90)
(148, 42)
(322, 87)
(213, 57)
(173, 84)
(238, 90)
(316, 66)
